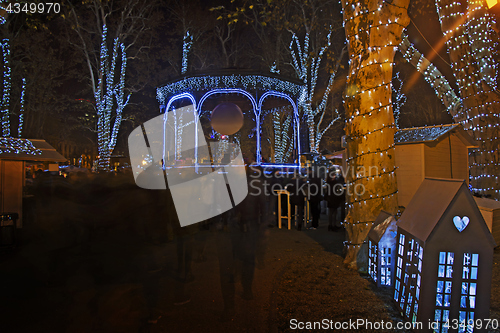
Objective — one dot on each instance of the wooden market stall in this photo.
(432, 151)
(15, 153)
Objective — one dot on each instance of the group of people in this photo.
(313, 188)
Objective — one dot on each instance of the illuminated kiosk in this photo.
(382, 249)
(444, 258)
(197, 89)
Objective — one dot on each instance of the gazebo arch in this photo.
(256, 87)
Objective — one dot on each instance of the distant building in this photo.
(444, 258)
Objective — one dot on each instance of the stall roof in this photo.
(28, 150)
(432, 133)
(380, 225)
(428, 206)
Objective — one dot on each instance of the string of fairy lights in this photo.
(209, 82)
(306, 64)
(186, 47)
(21, 110)
(380, 59)
(472, 46)
(108, 92)
(282, 146)
(6, 87)
(399, 100)
(433, 77)
(18, 146)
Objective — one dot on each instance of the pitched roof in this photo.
(28, 150)
(432, 133)
(380, 225)
(428, 206)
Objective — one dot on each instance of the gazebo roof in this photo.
(28, 150)
(224, 79)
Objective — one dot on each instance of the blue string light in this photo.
(106, 94)
(6, 87)
(21, 111)
(18, 146)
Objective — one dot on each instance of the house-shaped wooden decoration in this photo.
(491, 212)
(431, 151)
(382, 249)
(14, 154)
(444, 258)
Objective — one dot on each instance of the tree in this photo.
(373, 31)
(33, 71)
(471, 44)
(306, 62)
(276, 125)
(311, 52)
(106, 61)
(470, 40)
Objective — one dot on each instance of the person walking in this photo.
(335, 201)
(297, 189)
(315, 196)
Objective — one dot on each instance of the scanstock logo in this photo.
(170, 151)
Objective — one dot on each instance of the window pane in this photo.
(466, 259)
(440, 286)
(463, 302)
(465, 288)
(473, 273)
(448, 287)
(441, 271)
(472, 289)
(446, 315)
(447, 300)
(439, 300)
(472, 302)
(451, 255)
(442, 257)
(475, 259)
(449, 271)
(437, 315)
(465, 274)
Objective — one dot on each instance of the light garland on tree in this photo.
(472, 44)
(372, 33)
(282, 146)
(106, 93)
(187, 42)
(6, 87)
(306, 66)
(433, 76)
(399, 100)
(21, 110)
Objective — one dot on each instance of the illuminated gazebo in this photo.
(250, 87)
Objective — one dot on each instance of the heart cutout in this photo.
(461, 223)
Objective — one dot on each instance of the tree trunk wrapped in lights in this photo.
(471, 43)
(110, 88)
(373, 31)
(306, 61)
(433, 76)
